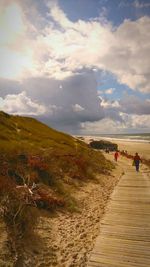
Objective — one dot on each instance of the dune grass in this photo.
(51, 156)
(31, 152)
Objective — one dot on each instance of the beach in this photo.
(131, 146)
(143, 149)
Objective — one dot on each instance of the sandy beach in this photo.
(143, 148)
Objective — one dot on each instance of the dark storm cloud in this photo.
(66, 104)
(73, 99)
(9, 87)
(132, 104)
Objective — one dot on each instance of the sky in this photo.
(82, 67)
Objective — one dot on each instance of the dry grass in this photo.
(31, 152)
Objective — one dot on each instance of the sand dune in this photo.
(66, 239)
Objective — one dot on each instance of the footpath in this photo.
(124, 238)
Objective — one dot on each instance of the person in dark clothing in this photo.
(137, 160)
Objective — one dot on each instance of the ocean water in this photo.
(144, 137)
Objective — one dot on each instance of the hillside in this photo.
(41, 168)
(24, 135)
(26, 132)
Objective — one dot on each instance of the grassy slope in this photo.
(24, 132)
(29, 135)
(61, 164)
(67, 158)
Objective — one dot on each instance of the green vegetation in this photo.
(102, 144)
(63, 154)
(32, 153)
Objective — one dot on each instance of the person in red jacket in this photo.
(116, 155)
(137, 160)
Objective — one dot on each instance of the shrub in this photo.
(17, 207)
(37, 163)
(104, 145)
(18, 213)
(45, 198)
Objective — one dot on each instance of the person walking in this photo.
(116, 155)
(136, 161)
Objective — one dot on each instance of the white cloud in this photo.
(99, 93)
(77, 108)
(104, 126)
(109, 91)
(138, 4)
(21, 104)
(129, 123)
(60, 48)
(136, 121)
(128, 55)
(128, 113)
(10, 29)
(109, 103)
(95, 70)
(15, 51)
(57, 62)
(15, 65)
(130, 105)
(58, 15)
(122, 51)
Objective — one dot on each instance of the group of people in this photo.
(136, 160)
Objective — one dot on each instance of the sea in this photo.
(137, 137)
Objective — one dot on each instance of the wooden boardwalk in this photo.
(124, 239)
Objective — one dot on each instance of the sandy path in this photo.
(66, 239)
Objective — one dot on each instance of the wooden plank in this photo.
(125, 243)
(125, 204)
(119, 261)
(134, 258)
(126, 223)
(136, 252)
(125, 216)
(118, 211)
(124, 239)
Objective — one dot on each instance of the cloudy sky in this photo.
(80, 66)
